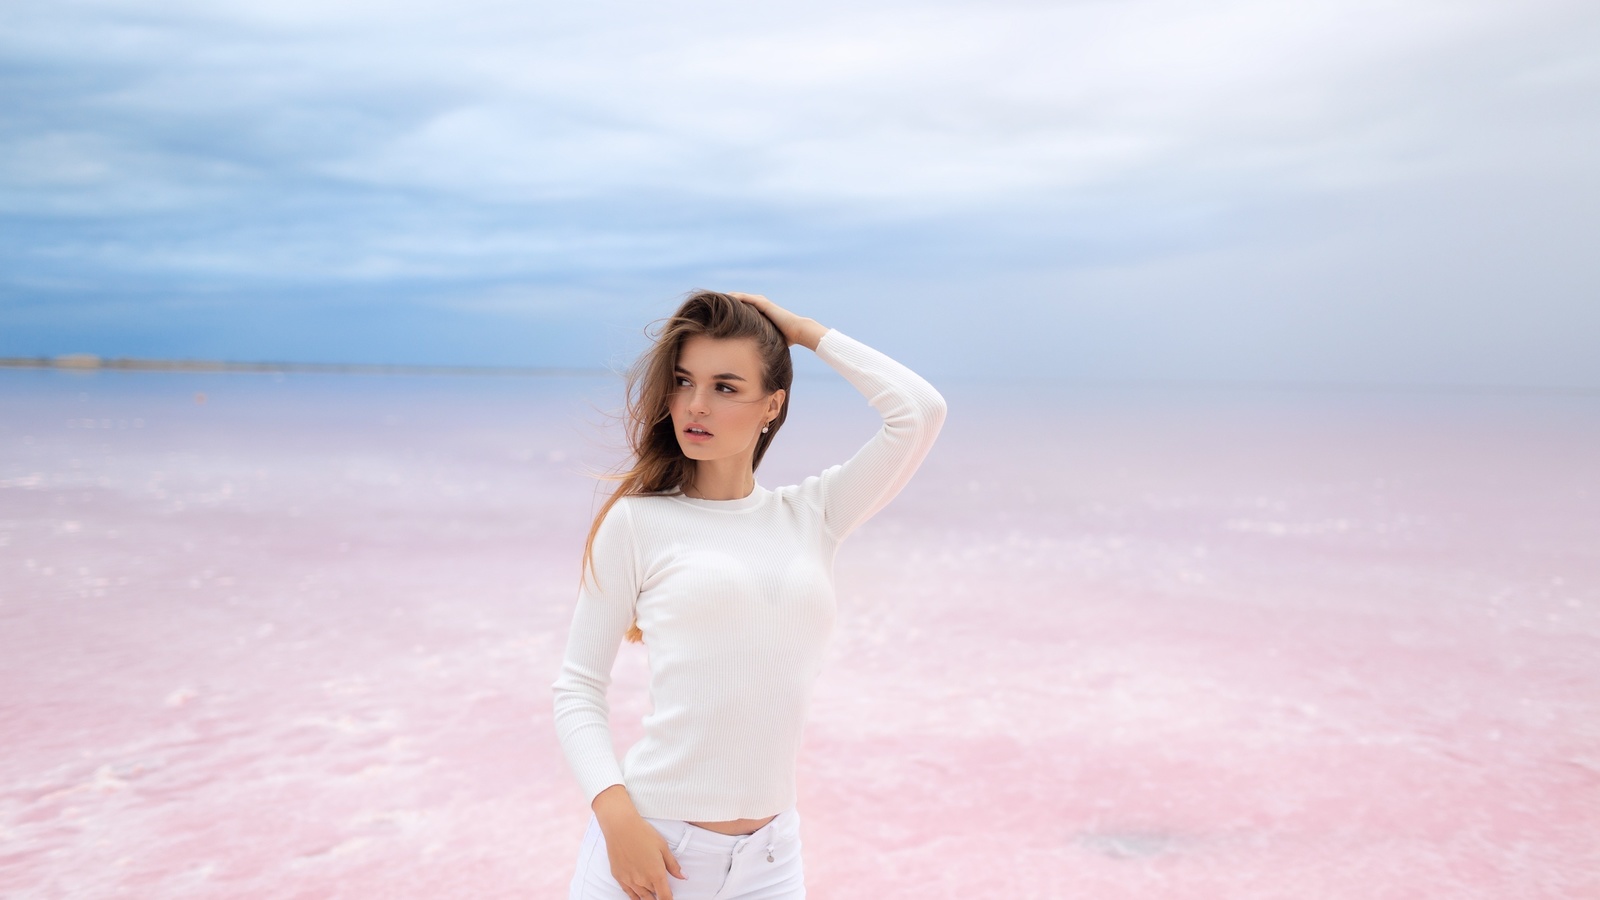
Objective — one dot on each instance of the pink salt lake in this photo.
(296, 641)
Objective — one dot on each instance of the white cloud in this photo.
(936, 104)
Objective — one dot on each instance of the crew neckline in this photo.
(748, 501)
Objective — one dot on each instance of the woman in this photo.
(730, 587)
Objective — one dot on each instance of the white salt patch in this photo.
(181, 696)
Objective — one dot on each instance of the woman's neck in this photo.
(716, 479)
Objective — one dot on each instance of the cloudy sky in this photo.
(1328, 191)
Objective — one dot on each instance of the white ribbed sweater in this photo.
(735, 599)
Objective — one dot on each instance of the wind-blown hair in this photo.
(657, 463)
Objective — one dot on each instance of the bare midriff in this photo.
(737, 826)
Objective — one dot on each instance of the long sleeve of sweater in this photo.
(913, 413)
(605, 611)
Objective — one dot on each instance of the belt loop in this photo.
(684, 840)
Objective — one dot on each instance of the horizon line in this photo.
(89, 362)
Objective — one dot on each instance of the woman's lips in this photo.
(696, 436)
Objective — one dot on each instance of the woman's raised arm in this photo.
(913, 413)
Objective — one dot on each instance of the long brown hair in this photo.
(657, 463)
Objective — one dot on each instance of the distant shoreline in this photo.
(88, 362)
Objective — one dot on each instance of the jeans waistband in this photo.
(784, 825)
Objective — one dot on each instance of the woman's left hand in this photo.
(795, 329)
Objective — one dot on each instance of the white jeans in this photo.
(764, 865)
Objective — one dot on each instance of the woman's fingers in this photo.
(772, 310)
(640, 886)
(648, 892)
(672, 866)
(645, 887)
(789, 324)
(663, 891)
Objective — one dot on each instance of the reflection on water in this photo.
(297, 639)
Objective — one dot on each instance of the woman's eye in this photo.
(682, 382)
(730, 388)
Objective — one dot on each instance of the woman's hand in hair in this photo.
(795, 329)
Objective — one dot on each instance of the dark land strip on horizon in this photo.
(87, 362)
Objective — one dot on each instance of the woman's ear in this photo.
(775, 402)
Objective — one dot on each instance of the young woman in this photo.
(730, 587)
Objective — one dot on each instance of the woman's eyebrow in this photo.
(725, 376)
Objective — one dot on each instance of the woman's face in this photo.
(718, 405)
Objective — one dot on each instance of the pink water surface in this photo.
(296, 641)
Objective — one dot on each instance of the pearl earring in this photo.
(764, 429)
